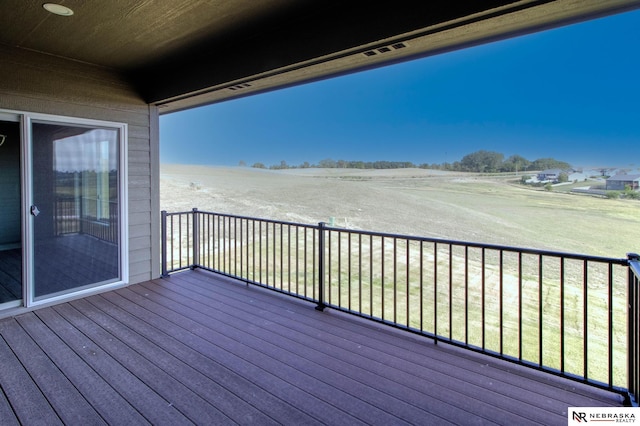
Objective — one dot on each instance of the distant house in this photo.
(578, 176)
(551, 174)
(620, 182)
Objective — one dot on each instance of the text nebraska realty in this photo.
(623, 417)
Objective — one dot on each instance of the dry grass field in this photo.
(415, 202)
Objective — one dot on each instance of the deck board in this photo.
(273, 371)
(200, 348)
(318, 377)
(423, 390)
(253, 378)
(112, 407)
(155, 409)
(28, 402)
(219, 378)
(174, 393)
(7, 416)
(65, 399)
(339, 368)
(440, 366)
(192, 382)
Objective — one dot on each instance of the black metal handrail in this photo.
(567, 314)
(634, 329)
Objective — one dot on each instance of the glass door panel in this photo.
(75, 208)
(10, 213)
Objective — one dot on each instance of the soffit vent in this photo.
(239, 86)
(384, 49)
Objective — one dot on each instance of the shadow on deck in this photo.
(197, 347)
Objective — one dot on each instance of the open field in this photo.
(412, 201)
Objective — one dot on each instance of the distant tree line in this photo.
(479, 162)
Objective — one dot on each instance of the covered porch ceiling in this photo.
(186, 53)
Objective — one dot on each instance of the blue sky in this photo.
(572, 93)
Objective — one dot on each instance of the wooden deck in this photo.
(198, 348)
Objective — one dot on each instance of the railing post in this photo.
(321, 248)
(196, 239)
(633, 349)
(163, 243)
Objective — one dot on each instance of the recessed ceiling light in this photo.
(57, 9)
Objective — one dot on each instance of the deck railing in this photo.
(567, 314)
(69, 218)
(633, 330)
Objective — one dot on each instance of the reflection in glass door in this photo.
(75, 210)
(10, 214)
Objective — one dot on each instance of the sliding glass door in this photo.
(63, 205)
(75, 207)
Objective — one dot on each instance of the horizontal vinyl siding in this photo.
(33, 82)
(138, 270)
(139, 194)
(139, 230)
